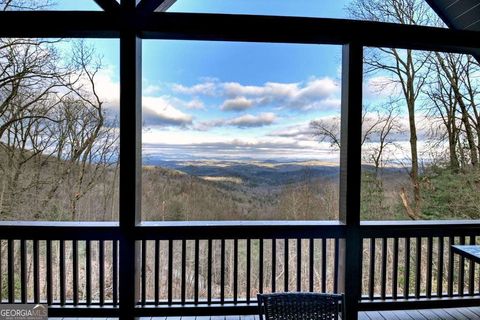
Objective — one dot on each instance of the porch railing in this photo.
(218, 268)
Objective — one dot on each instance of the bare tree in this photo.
(451, 67)
(452, 93)
(87, 146)
(327, 130)
(30, 85)
(7, 5)
(378, 126)
(444, 106)
(385, 127)
(471, 81)
(407, 66)
(54, 135)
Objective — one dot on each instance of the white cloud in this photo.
(157, 111)
(297, 132)
(188, 146)
(314, 94)
(237, 104)
(242, 122)
(234, 89)
(248, 120)
(207, 88)
(151, 90)
(317, 89)
(195, 104)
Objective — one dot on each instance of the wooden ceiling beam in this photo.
(155, 5)
(108, 5)
(231, 27)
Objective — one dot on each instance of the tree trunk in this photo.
(452, 145)
(468, 131)
(406, 204)
(414, 174)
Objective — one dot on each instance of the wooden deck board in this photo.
(431, 314)
(390, 315)
(398, 315)
(469, 313)
(457, 314)
(375, 315)
(474, 310)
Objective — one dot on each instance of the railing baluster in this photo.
(23, 269)
(197, 270)
(418, 265)
(471, 271)
(335, 265)
(428, 284)
(440, 267)
(274, 265)
(450, 266)
(184, 271)
(115, 272)
(49, 273)
(249, 263)
(299, 264)
(62, 272)
(88, 271)
(285, 272)
(260, 266)
(384, 268)
(101, 272)
(11, 271)
(170, 271)
(406, 290)
(156, 276)
(311, 268)
(75, 271)
(395, 268)
(209, 272)
(143, 296)
(235, 270)
(461, 269)
(371, 278)
(222, 270)
(324, 265)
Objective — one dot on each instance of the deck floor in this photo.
(426, 314)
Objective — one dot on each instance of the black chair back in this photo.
(301, 306)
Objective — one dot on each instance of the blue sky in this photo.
(234, 100)
(313, 8)
(240, 99)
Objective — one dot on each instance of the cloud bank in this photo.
(314, 94)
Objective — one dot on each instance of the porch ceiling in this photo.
(459, 15)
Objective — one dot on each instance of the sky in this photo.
(240, 100)
(231, 100)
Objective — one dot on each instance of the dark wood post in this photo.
(350, 177)
(130, 160)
